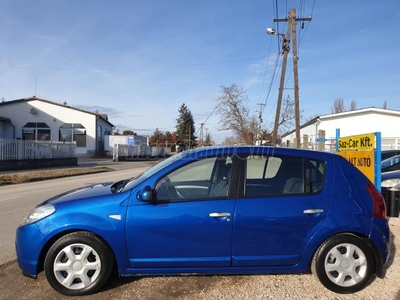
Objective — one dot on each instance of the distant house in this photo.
(354, 122)
(39, 119)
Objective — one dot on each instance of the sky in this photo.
(139, 60)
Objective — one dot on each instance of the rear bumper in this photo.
(28, 245)
(381, 237)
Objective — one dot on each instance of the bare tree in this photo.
(286, 120)
(235, 116)
(230, 141)
(266, 137)
(353, 105)
(338, 106)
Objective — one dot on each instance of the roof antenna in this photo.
(35, 85)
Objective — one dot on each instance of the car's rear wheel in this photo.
(78, 263)
(344, 264)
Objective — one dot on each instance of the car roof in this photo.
(256, 150)
(385, 154)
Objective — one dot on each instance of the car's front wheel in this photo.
(78, 264)
(344, 264)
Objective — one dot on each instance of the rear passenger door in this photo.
(282, 205)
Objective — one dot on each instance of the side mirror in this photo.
(146, 194)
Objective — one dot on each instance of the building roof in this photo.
(34, 98)
(350, 113)
(362, 111)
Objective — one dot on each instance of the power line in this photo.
(133, 68)
(291, 33)
(215, 108)
(272, 79)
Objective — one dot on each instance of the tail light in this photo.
(378, 202)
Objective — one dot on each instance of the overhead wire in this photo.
(133, 68)
(275, 5)
(209, 116)
(302, 27)
(276, 64)
(302, 10)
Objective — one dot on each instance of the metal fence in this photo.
(23, 149)
(138, 151)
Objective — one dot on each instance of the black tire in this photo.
(344, 264)
(78, 264)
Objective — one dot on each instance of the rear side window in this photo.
(283, 175)
(258, 167)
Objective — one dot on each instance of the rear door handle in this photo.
(313, 211)
(219, 215)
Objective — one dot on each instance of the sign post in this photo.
(364, 152)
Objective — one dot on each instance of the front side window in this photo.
(283, 175)
(202, 179)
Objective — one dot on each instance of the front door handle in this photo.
(313, 211)
(219, 215)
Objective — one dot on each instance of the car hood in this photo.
(93, 191)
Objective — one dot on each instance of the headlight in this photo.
(390, 182)
(39, 213)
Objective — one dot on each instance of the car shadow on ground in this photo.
(116, 281)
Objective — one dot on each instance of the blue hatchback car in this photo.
(218, 210)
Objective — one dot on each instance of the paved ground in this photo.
(13, 285)
(90, 162)
(87, 162)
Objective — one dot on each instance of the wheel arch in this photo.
(377, 266)
(59, 235)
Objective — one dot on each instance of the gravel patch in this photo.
(300, 286)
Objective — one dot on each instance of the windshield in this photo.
(149, 172)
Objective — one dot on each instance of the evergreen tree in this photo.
(208, 141)
(185, 127)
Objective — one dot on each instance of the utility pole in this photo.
(285, 48)
(291, 30)
(296, 79)
(201, 132)
(260, 120)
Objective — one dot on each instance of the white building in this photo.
(39, 119)
(360, 121)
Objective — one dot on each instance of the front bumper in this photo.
(29, 243)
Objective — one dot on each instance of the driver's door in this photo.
(186, 227)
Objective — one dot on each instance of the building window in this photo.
(73, 132)
(36, 132)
